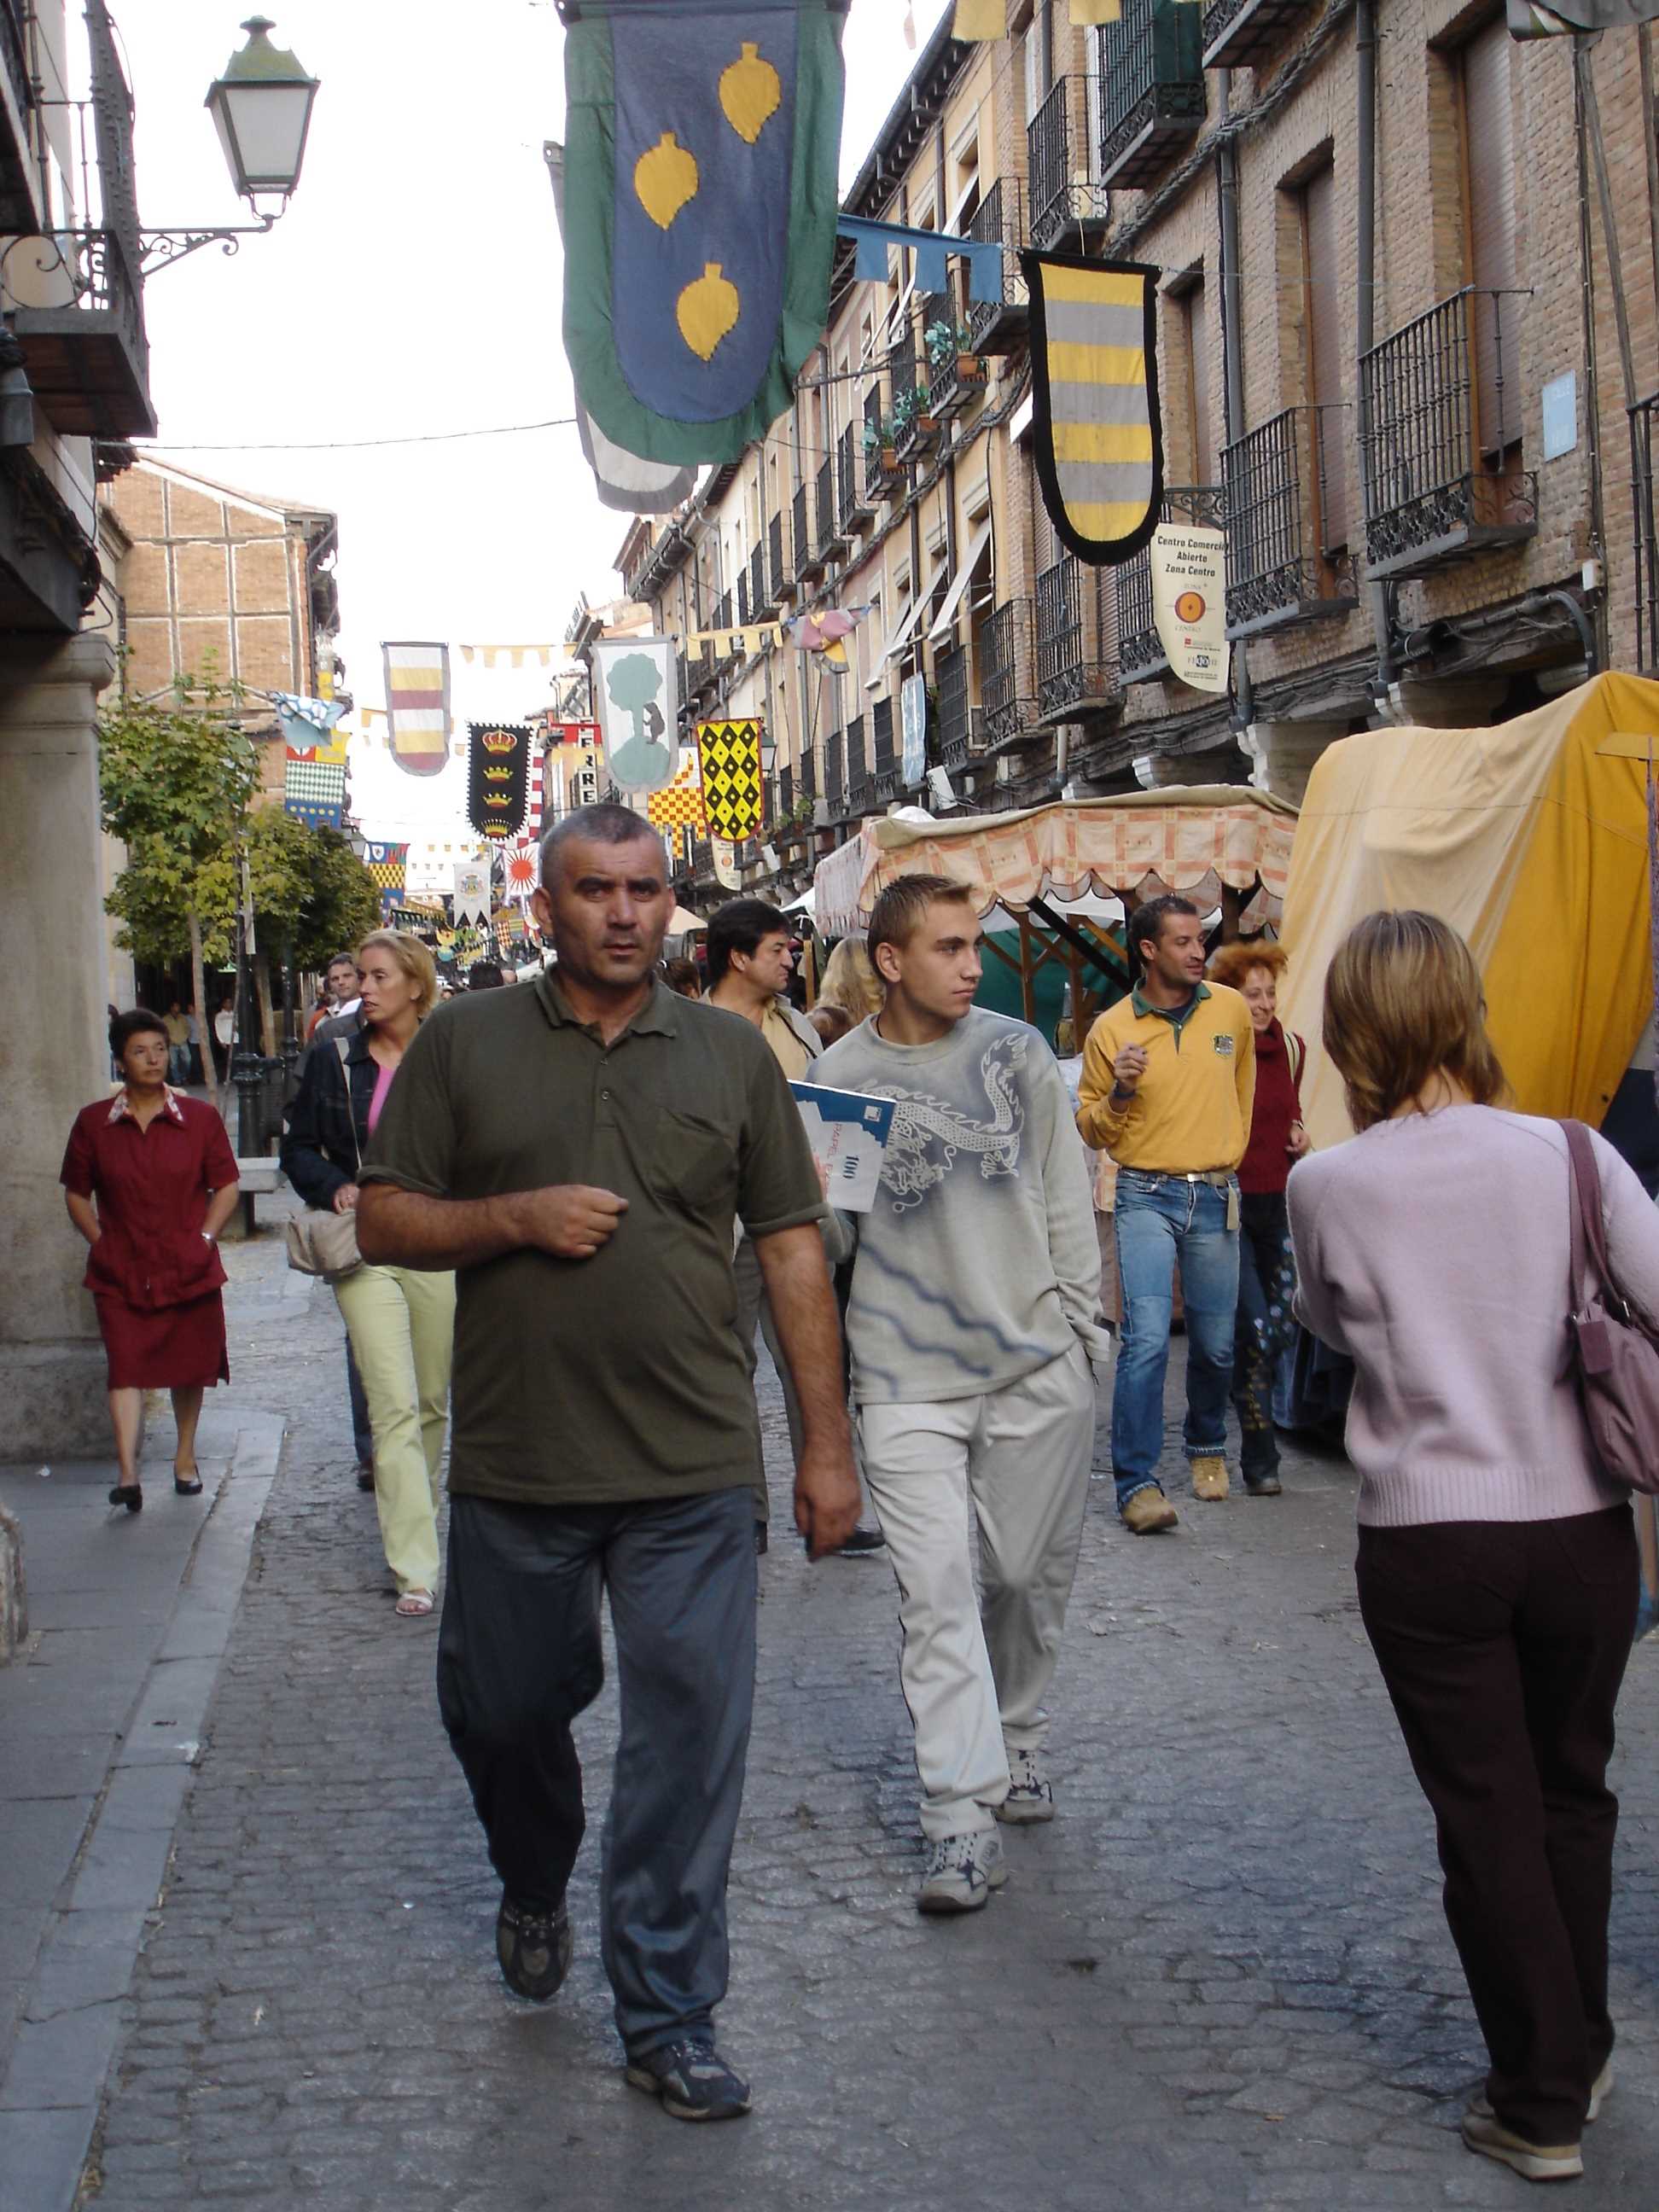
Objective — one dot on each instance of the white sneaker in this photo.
(1031, 1794)
(962, 1873)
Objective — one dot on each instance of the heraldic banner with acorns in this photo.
(498, 778)
(728, 754)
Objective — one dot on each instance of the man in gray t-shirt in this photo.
(975, 1328)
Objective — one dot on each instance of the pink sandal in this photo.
(414, 1605)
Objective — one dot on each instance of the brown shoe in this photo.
(1210, 1476)
(1148, 1512)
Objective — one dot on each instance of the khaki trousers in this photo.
(975, 1673)
(402, 1325)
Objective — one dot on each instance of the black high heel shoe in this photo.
(191, 1489)
(129, 1494)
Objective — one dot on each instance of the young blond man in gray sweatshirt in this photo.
(975, 1329)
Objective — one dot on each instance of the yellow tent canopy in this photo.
(1530, 839)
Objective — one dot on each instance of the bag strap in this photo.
(344, 1049)
(1294, 1051)
(1586, 1225)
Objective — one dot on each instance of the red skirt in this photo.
(164, 1348)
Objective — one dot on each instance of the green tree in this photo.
(176, 782)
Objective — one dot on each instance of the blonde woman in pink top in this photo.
(401, 1322)
(1497, 1567)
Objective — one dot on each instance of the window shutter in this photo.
(1324, 324)
(1205, 462)
(1494, 265)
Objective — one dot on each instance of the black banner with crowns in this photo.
(498, 778)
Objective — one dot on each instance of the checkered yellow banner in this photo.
(729, 756)
(678, 805)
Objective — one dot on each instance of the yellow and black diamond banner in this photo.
(729, 756)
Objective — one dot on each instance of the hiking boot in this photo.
(693, 2081)
(1210, 1476)
(1031, 1794)
(1481, 2106)
(533, 1945)
(1147, 1512)
(1486, 2133)
(962, 1873)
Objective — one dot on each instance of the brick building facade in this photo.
(1430, 512)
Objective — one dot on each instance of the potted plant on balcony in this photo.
(943, 339)
(914, 427)
(881, 445)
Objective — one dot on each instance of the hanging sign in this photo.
(1189, 603)
(417, 706)
(728, 754)
(723, 853)
(498, 779)
(1096, 436)
(912, 709)
(636, 688)
(471, 890)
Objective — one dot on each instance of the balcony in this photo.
(1140, 655)
(835, 791)
(1440, 481)
(958, 735)
(743, 614)
(762, 606)
(1068, 685)
(1152, 92)
(1286, 487)
(722, 621)
(861, 785)
(996, 325)
(956, 374)
(1005, 674)
(914, 428)
(1239, 33)
(783, 576)
(1069, 209)
(665, 554)
(829, 541)
(852, 504)
(809, 563)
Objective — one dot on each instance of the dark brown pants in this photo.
(1503, 1645)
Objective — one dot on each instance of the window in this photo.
(1322, 325)
(1492, 259)
(1192, 418)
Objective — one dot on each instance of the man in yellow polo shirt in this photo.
(1169, 1079)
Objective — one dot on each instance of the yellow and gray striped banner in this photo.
(1097, 439)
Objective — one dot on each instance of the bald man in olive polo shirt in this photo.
(578, 1151)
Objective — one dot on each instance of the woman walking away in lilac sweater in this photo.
(1496, 1565)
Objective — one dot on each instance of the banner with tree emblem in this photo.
(417, 707)
(636, 690)
(1097, 439)
(728, 755)
(498, 778)
(699, 206)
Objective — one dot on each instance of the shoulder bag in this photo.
(1614, 1351)
(321, 1241)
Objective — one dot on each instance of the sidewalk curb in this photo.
(72, 2022)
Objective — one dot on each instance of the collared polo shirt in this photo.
(618, 1378)
(1191, 1111)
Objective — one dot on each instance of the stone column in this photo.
(53, 992)
(1284, 753)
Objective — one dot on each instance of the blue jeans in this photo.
(178, 1065)
(1159, 1219)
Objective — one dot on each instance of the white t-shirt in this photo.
(224, 1027)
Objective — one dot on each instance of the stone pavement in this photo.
(1220, 1979)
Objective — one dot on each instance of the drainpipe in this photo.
(1365, 279)
(1232, 349)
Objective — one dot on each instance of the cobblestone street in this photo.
(1220, 1979)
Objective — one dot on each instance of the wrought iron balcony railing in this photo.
(723, 621)
(807, 773)
(881, 736)
(1152, 92)
(1286, 487)
(1239, 32)
(1068, 681)
(993, 325)
(861, 790)
(855, 509)
(826, 543)
(834, 790)
(954, 670)
(783, 579)
(1006, 681)
(809, 560)
(1069, 207)
(762, 606)
(1440, 437)
(744, 613)
(1140, 654)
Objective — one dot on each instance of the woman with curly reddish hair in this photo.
(1266, 1277)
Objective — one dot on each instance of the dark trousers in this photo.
(520, 1656)
(1266, 1280)
(1503, 1645)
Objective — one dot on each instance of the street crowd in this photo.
(555, 1215)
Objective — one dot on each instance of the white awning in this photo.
(959, 582)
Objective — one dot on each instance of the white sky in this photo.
(413, 287)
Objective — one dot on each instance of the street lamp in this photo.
(261, 108)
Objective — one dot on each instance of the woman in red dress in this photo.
(163, 1176)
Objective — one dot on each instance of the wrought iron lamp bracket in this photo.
(160, 249)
